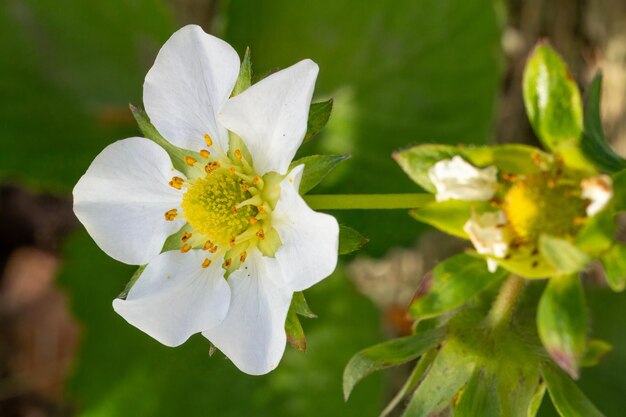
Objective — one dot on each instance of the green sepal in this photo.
(244, 79)
(384, 355)
(316, 168)
(516, 159)
(450, 371)
(553, 104)
(173, 242)
(132, 281)
(449, 216)
(594, 144)
(479, 397)
(175, 153)
(537, 399)
(350, 240)
(567, 398)
(619, 191)
(301, 306)
(595, 352)
(319, 113)
(293, 329)
(596, 236)
(562, 255)
(562, 322)
(614, 262)
(451, 284)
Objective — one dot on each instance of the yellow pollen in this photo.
(204, 153)
(213, 249)
(176, 182)
(170, 215)
(211, 166)
(238, 154)
(206, 263)
(185, 248)
(243, 256)
(208, 140)
(189, 160)
(207, 245)
(185, 237)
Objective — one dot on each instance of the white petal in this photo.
(175, 297)
(253, 333)
(455, 179)
(122, 199)
(271, 116)
(599, 191)
(191, 79)
(488, 235)
(309, 239)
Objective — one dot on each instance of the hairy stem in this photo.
(504, 305)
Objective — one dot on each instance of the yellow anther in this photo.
(204, 153)
(213, 249)
(256, 180)
(189, 160)
(208, 140)
(238, 154)
(206, 263)
(211, 166)
(185, 237)
(253, 220)
(170, 215)
(232, 170)
(231, 242)
(185, 248)
(243, 256)
(578, 221)
(207, 245)
(176, 182)
(261, 209)
(233, 209)
(260, 234)
(228, 263)
(245, 187)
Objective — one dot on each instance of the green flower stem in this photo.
(367, 201)
(504, 305)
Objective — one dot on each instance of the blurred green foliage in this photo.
(401, 73)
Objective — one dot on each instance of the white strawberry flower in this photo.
(456, 179)
(488, 235)
(249, 239)
(599, 191)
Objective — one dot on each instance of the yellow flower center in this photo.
(210, 207)
(541, 204)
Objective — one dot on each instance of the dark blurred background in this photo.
(401, 72)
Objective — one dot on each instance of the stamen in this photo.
(176, 182)
(189, 160)
(256, 180)
(213, 249)
(204, 153)
(260, 234)
(245, 187)
(243, 256)
(238, 154)
(253, 220)
(252, 201)
(228, 263)
(206, 263)
(233, 209)
(170, 215)
(185, 248)
(232, 170)
(211, 166)
(208, 140)
(185, 237)
(208, 245)
(231, 242)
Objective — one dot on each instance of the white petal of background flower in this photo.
(599, 190)
(253, 333)
(456, 179)
(175, 297)
(310, 239)
(122, 199)
(271, 116)
(191, 79)
(488, 236)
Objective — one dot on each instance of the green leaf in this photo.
(596, 236)
(562, 321)
(350, 240)
(301, 306)
(293, 328)
(451, 284)
(567, 398)
(451, 370)
(614, 262)
(316, 167)
(594, 145)
(513, 158)
(595, 352)
(149, 131)
(526, 262)
(244, 79)
(479, 396)
(384, 355)
(553, 104)
(448, 216)
(562, 255)
(319, 113)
